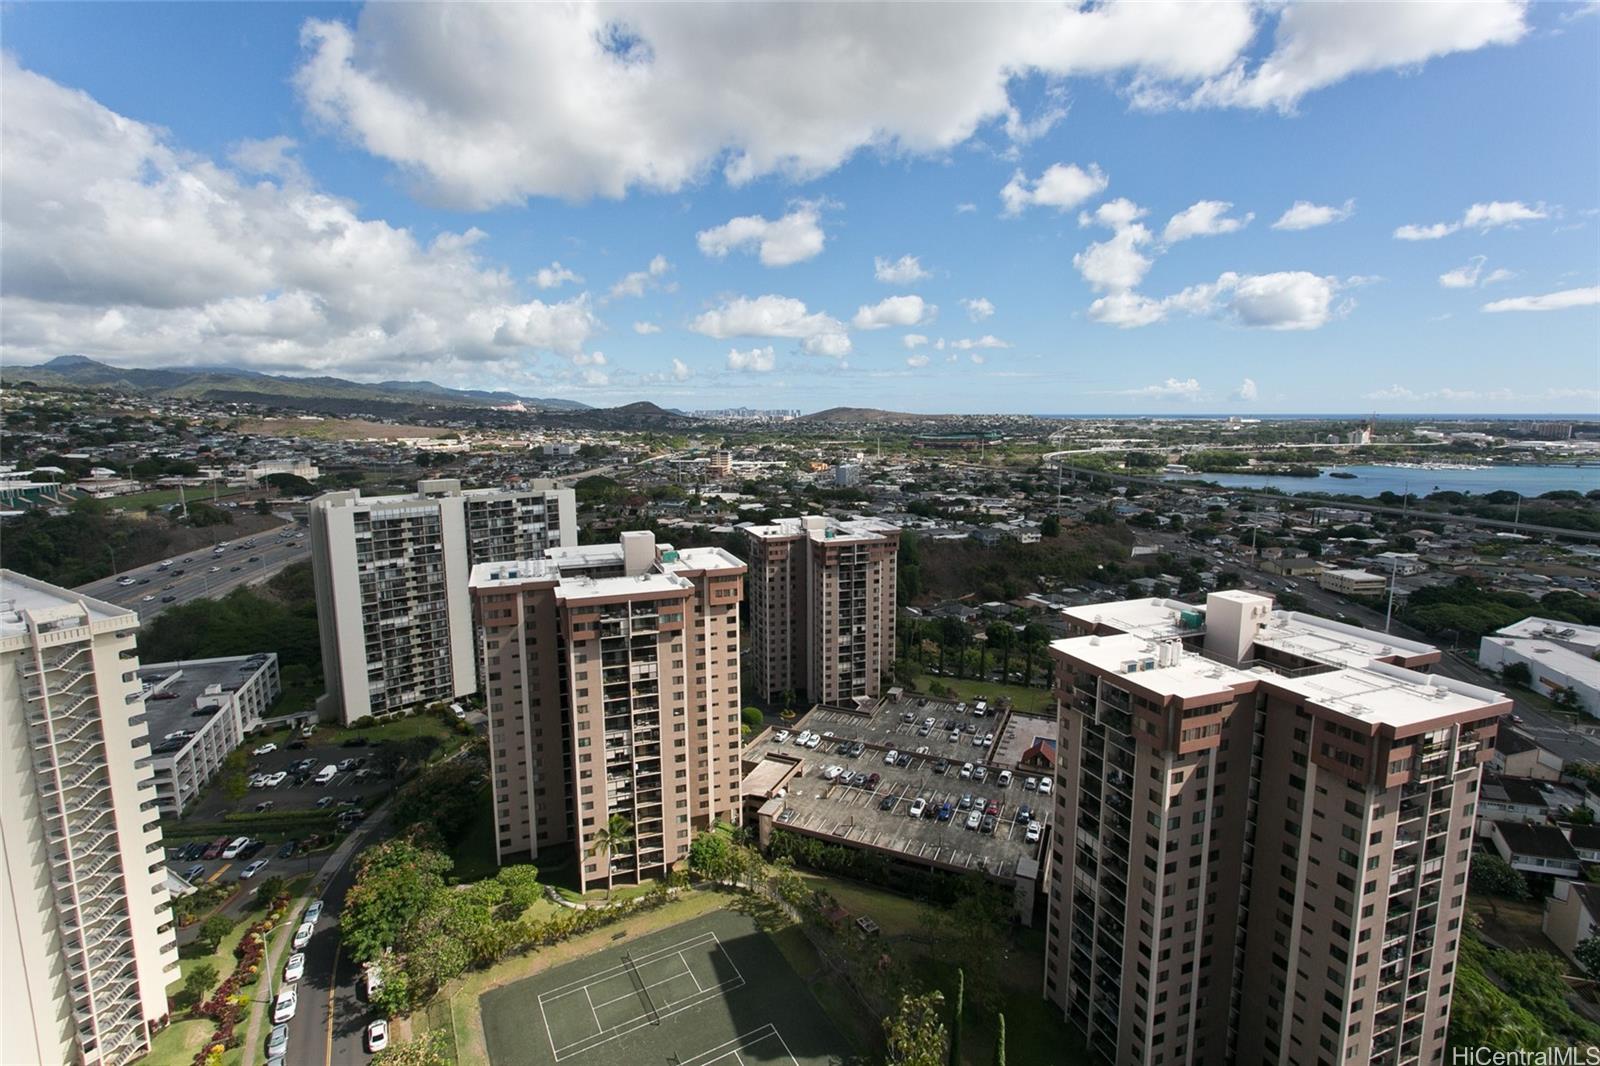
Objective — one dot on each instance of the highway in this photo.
(205, 572)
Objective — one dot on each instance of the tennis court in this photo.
(712, 992)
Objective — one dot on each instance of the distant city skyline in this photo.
(1171, 210)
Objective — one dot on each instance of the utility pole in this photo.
(183, 500)
(1388, 614)
(1516, 516)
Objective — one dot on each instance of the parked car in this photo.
(278, 1042)
(215, 848)
(1031, 784)
(377, 1036)
(831, 773)
(274, 780)
(992, 807)
(313, 911)
(966, 801)
(918, 805)
(941, 766)
(302, 935)
(295, 968)
(966, 769)
(871, 781)
(945, 811)
(781, 736)
(287, 851)
(265, 749)
(980, 772)
(813, 742)
(888, 802)
(283, 1009)
(194, 873)
(253, 869)
(1035, 831)
(1004, 780)
(1044, 786)
(1024, 813)
(252, 849)
(988, 823)
(974, 820)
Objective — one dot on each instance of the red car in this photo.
(216, 847)
(992, 808)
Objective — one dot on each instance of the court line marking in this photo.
(678, 948)
(631, 994)
(624, 1028)
(740, 1043)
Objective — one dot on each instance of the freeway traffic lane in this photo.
(272, 550)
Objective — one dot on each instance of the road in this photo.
(205, 573)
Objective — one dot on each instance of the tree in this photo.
(212, 930)
(616, 835)
(235, 775)
(752, 717)
(1493, 876)
(955, 1017)
(269, 890)
(1001, 637)
(708, 856)
(197, 985)
(914, 1034)
(395, 884)
(1517, 674)
(1000, 1040)
(1035, 637)
(446, 797)
(1588, 955)
(1051, 526)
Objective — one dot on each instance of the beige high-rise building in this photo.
(822, 606)
(1261, 856)
(88, 941)
(391, 576)
(612, 680)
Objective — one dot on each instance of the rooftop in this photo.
(1335, 643)
(1164, 668)
(1557, 657)
(187, 681)
(1146, 618)
(22, 596)
(1571, 634)
(822, 527)
(1391, 695)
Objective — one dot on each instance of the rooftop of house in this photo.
(1536, 841)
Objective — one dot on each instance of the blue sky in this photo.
(1094, 201)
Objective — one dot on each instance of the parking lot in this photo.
(952, 778)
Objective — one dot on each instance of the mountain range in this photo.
(229, 384)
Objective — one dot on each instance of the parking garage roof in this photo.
(187, 681)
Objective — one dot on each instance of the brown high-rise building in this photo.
(1263, 843)
(822, 606)
(612, 678)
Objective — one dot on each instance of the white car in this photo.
(284, 1008)
(253, 869)
(265, 749)
(377, 1036)
(928, 722)
(891, 757)
(974, 819)
(295, 968)
(814, 741)
(1044, 786)
(918, 805)
(1035, 830)
(829, 773)
(979, 773)
(1031, 784)
(313, 912)
(988, 740)
(257, 780)
(781, 737)
(977, 741)
(966, 769)
(125, 582)
(302, 935)
(274, 780)
(801, 738)
(1004, 780)
(278, 1042)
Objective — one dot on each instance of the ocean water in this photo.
(1373, 480)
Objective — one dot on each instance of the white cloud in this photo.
(1113, 214)
(1498, 275)
(124, 248)
(644, 329)
(1061, 186)
(978, 358)
(1246, 391)
(1464, 276)
(756, 360)
(554, 276)
(589, 359)
(1115, 265)
(1170, 389)
(775, 316)
(978, 308)
(1288, 300)
(794, 238)
(1555, 301)
(1207, 218)
(988, 340)
(680, 370)
(913, 341)
(893, 311)
(1316, 45)
(966, 208)
(641, 281)
(1307, 215)
(916, 360)
(493, 104)
(903, 271)
(1479, 217)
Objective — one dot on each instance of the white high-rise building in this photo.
(391, 575)
(88, 943)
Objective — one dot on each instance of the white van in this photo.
(327, 773)
(235, 846)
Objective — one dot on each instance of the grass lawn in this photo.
(895, 914)
(136, 501)
(1518, 926)
(177, 1043)
(1027, 700)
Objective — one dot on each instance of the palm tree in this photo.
(616, 835)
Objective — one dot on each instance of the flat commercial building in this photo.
(1262, 864)
(1353, 582)
(612, 680)
(822, 606)
(88, 948)
(391, 576)
(1560, 656)
(199, 711)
